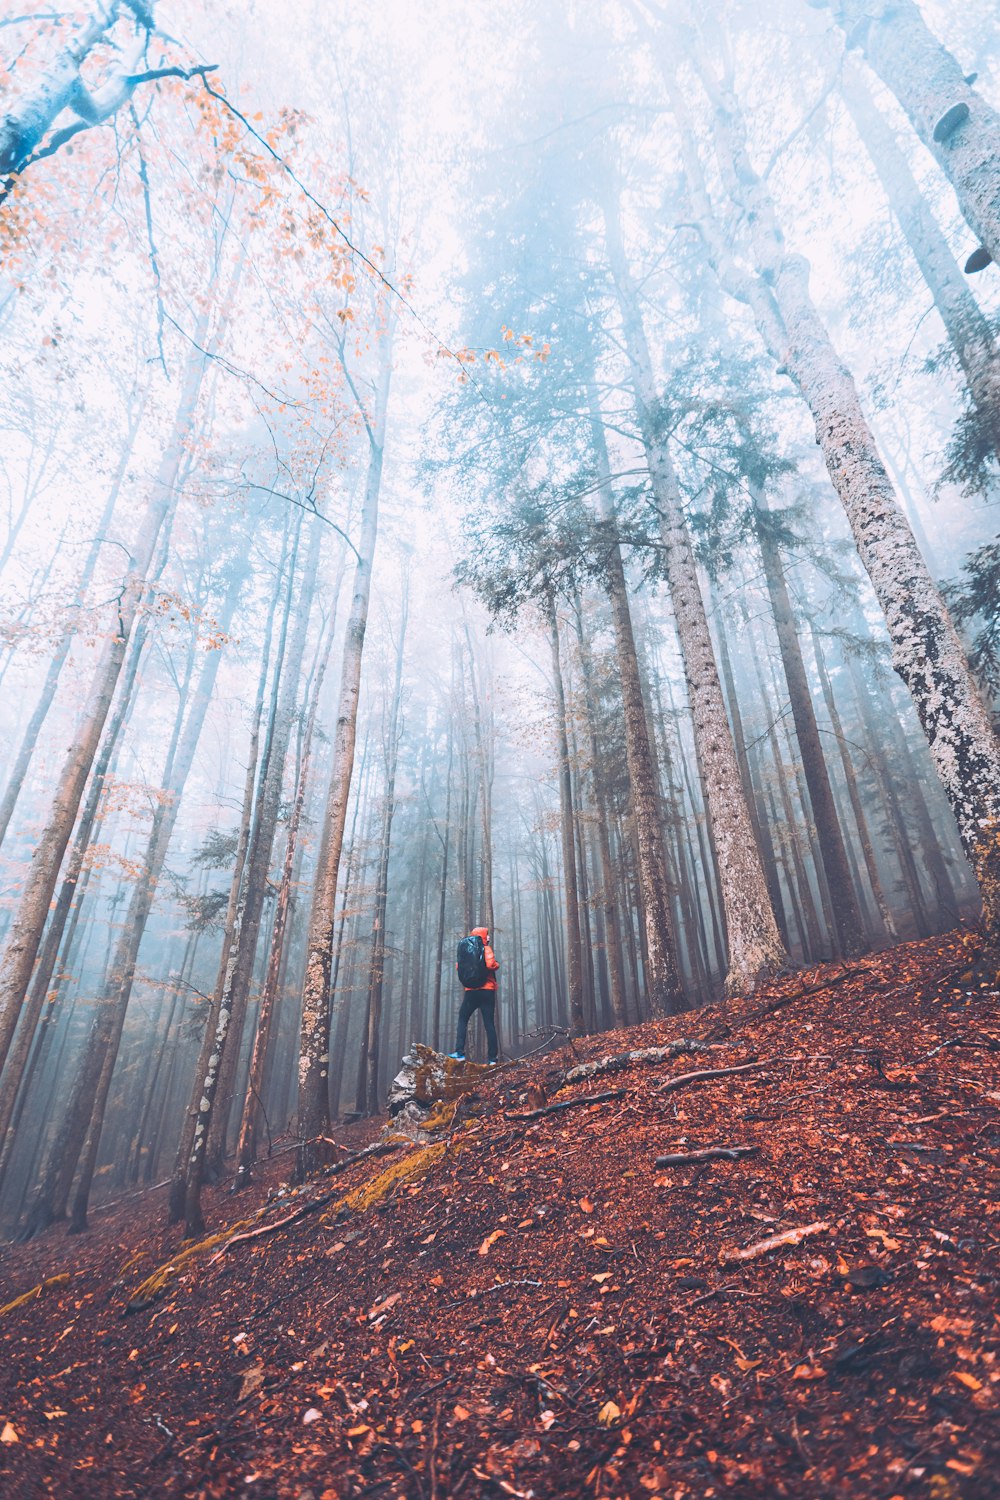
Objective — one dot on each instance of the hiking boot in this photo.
(493, 1062)
(457, 1056)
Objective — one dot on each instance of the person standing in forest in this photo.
(477, 970)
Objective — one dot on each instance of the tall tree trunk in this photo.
(926, 651)
(377, 969)
(755, 946)
(193, 1142)
(443, 893)
(954, 121)
(218, 1079)
(762, 832)
(246, 1150)
(663, 992)
(830, 837)
(87, 1101)
(609, 905)
(853, 792)
(352, 876)
(285, 690)
(574, 949)
(29, 739)
(968, 330)
(314, 1041)
(33, 907)
(44, 992)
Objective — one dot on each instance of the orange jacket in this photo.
(491, 961)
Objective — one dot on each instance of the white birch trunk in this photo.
(968, 330)
(314, 1039)
(26, 120)
(926, 651)
(952, 119)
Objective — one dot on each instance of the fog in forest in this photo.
(520, 466)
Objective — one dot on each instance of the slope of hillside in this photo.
(531, 1307)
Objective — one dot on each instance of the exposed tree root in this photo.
(708, 1153)
(683, 1079)
(154, 1286)
(622, 1060)
(63, 1279)
(552, 1109)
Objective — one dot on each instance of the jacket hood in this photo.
(481, 932)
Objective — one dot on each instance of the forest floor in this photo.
(532, 1308)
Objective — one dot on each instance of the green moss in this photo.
(63, 1279)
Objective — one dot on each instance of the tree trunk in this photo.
(192, 1144)
(43, 992)
(85, 1108)
(314, 1042)
(377, 969)
(830, 837)
(33, 907)
(246, 1150)
(755, 946)
(664, 995)
(285, 690)
(574, 949)
(968, 330)
(954, 121)
(443, 895)
(609, 905)
(29, 739)
(926, 650)
(762, 832)
(861, 821)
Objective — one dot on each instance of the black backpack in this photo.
(472, 970)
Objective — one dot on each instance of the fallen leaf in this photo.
(886, 1239)
(968, 1380)
(312, 1415)
(9, 1434)
(384, 1306)
(586, 1207)
(461, 1414)
(491, 1239)
(608, 1413)
(252, 1381)
(601, 1277)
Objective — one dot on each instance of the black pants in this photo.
(485, 1002)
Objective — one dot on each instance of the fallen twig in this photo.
(707, 1153)
(683, 1079)
(500, 1286)
(732, 1254)
(617, 1062)
(984, 1042)
(848, 972)
(272, 1228)
(723, 1291)
(378, 1148)
(551, 1109)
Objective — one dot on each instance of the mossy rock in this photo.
(429, 1078)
